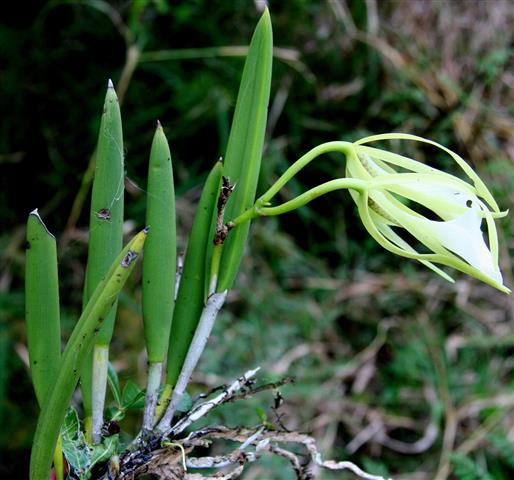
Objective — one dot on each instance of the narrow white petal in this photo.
(463, 236)
(447, 199)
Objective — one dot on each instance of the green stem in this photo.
(258, 210)
(131, 61)
(341, 147)
(287, 55)
(246, 216)
(304, 198)
(261, 206)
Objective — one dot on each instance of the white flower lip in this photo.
(452, 233)
(463, 236)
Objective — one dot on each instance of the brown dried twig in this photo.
(221, 229)
(171, 457)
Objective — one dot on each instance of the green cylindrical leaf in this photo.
(159, 262)
(106, 218)
(190, 297)
(244, 149)
(74, 355)
(42, 305)
(106, 222)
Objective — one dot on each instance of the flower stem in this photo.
(259, 210)
(261, 206)
(309, 195)
(341, 147)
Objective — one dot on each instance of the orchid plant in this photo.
(180, 306)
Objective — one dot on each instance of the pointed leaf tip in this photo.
(110, 84)
(35, 213)
(266, 13)
(159, 124)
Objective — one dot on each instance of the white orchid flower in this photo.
(401, 200)
(442, 212)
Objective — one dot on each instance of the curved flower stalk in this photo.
(392, 194)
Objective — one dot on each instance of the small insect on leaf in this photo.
(104, 214)
(128, 258)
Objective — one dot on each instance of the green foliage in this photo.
(245, 143)
(159, 263)
(185, 403)
(191, 293)
(375, 467)
(503, 446)
(106, 215)
(74, 445)
(42, 306)
(81, 341)
(466, 469)
(105, 222)
(323, 284)
(132, 396)
(114, 384)
(81, 456)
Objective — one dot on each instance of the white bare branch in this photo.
(205, 407)
(202, 333)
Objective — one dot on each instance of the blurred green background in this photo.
(396, 370)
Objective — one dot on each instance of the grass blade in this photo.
(244, 149)
(80, 342)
